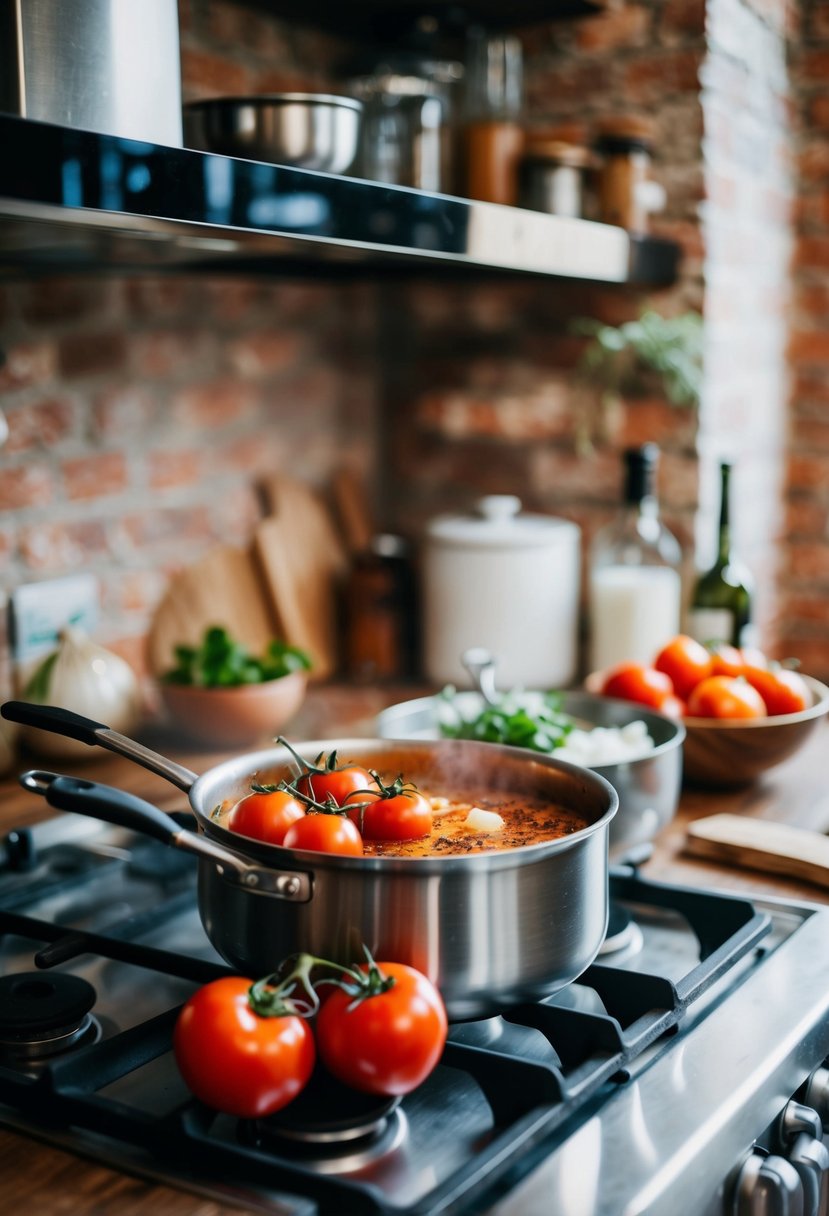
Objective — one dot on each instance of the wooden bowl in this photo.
(724, 752)
(238, 716)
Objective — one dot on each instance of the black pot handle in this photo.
(53, 718)
(102, 802)
(75, 726)
(128, 811)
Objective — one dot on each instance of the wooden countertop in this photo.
(53, 1183)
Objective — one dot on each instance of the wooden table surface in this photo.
(49, 1182)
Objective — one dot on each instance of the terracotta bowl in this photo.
(238, 716)
(725, 753)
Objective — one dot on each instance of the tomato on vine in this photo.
(325, 780)
(244, 1048)
(398, 812)
(383, 1028)
(265, 814)
(324, 831)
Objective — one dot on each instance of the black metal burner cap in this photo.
(326, 1110)
(35, 1002)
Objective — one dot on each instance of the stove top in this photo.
(645, 1087)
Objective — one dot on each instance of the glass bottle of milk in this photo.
(635, 584)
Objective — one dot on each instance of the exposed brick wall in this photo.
(805, 597)
(141, 411)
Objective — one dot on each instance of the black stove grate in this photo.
(531, 1100)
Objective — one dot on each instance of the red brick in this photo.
(29, 485)
(184, 526)
(63, 546)
(566, 86)
(95, 476)
(811, 435)
(810, 388)
(818, 113)
(27, 363)
(259, 354)
(808, 560)
(614, 29)
(812, 64)
(204, 74)
(136, 591)
(212, 405)
(124, 411)
(809, 346)
(169, 353)
(813, 160)
(668, 73)
(70, 298)
(171, 467)
(812, 299)
(171, 297)
(653, 420)
(806, 518)
(819, 20)
(513, 418)
(811, 653)
(806, 607)
(41, 425)
(8, 547)
(807, 472)
(91, 354)
(683, 17)
(233, 26)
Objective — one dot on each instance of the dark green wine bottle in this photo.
(722, 601)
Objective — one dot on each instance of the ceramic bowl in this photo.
(648, 787)
(238, 716)
(720, 752)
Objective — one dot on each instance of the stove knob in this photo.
(798, 1118)
(810, 1157)
(817, 1094)
(768, 1186)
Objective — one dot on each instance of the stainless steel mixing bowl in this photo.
(304, 130)
(648, 788)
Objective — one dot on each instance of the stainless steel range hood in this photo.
(77, 200)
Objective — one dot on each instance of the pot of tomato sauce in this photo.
(491, 922)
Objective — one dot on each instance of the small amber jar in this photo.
(625, 146)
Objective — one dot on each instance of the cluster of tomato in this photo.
(248, 1049)
(331, 808)
(687, 679)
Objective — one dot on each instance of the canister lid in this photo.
(497, 523)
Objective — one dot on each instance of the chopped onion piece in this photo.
(479, 820)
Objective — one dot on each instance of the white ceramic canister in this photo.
(505, 581)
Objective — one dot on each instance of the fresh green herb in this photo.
(626, 357)
(541, 728)
(221, 662)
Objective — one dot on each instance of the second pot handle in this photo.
(75, 726)
(127, 811)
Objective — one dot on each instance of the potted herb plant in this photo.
(636, 357)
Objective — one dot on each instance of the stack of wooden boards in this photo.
(283, 585)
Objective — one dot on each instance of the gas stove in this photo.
(683, 1074)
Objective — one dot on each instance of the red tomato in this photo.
(323, 833)
(265, 816)
(386, 1043)
(234, 1059)
(403, 816)
(725, 697)
(726, 660)
(686, 661)
(338, 784)
(783, 690)
(636, 682)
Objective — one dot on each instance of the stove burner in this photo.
(41, 1015)
(326, 1115)
(624, 938)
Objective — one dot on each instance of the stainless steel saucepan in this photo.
(490, 929)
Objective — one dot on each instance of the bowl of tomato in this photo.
(743, 713)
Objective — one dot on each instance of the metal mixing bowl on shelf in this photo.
(303, 130)
(648, 786)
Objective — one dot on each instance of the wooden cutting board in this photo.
(761, 844)
(301, 561)
(284, 585)
(222, 588)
